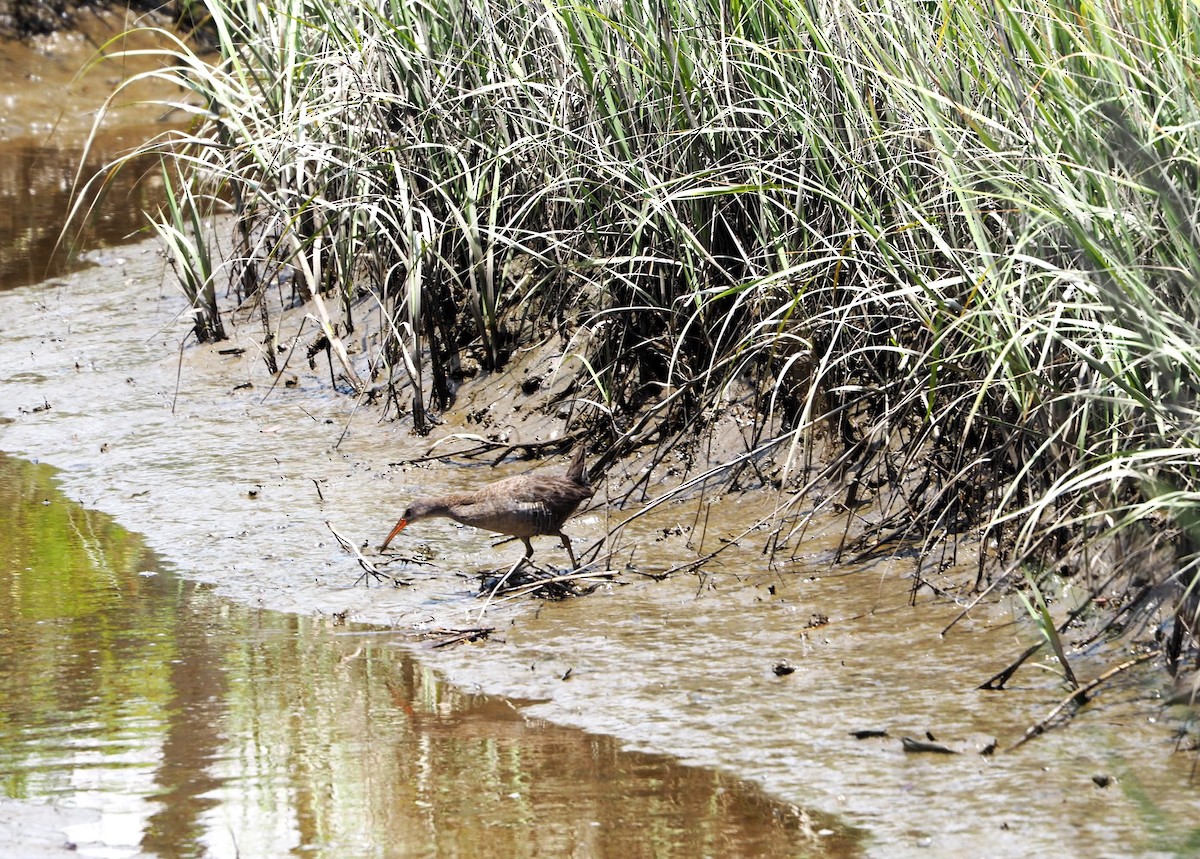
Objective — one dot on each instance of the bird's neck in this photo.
(443, 505)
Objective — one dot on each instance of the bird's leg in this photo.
(566, 541)
(504, 578)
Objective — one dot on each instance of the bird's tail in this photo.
(577, 470)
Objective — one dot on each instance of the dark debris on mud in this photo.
(440, 637)
(528, 579)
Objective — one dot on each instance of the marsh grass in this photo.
(939, 259)
(183, 234)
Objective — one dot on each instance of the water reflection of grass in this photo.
(1171, 834)
(949, 251)
(83, 652)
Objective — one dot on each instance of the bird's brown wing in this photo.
(550, 501)
(551, 490)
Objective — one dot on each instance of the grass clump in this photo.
(941, 256)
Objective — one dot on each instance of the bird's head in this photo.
(421, 508)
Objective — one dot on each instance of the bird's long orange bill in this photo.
(399, 527)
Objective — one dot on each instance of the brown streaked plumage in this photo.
(522, 506)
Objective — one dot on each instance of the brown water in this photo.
(234, 485)
(55, 139)
(191, 725)
(35, 199)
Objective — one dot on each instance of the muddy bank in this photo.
(30, 19)
(234, 482)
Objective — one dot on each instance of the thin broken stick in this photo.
(369, 569)
(1080, 695)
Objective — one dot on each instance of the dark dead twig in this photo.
(287, 358)
(179, 370)
(483, 446)
(917, 746)
(997, 680)
(869, 733)
(450, 637)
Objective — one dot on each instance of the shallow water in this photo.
(35, 200)
(191, 725)
(58, 101)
